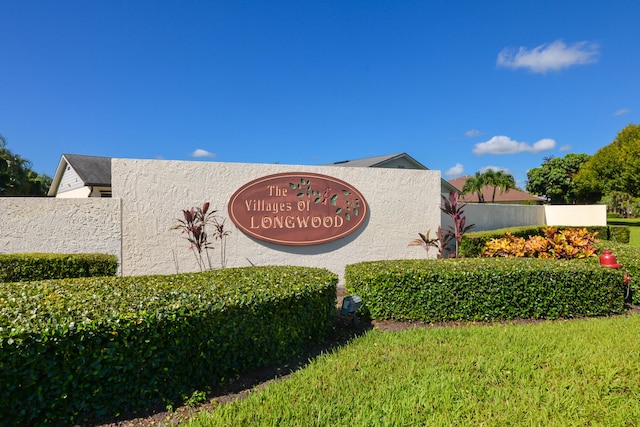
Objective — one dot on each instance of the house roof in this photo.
(510, 196)
(380, 161)
(96, 170)
(92, 170)
(387, 161)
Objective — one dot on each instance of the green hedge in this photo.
(619, 233)
(472, 244)
(87, 349)
(485, 289)
(43, 266)
(629, 258)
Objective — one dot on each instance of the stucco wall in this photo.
(149, 196)
(491, 216)
(30, 224)
(75, 193)
(154, 192)
(576, 215)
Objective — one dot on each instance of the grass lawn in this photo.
(632, 222)
(554, 373)
(634, 237)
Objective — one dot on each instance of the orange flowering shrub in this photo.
(565, 244)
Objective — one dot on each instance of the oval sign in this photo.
(297, 208)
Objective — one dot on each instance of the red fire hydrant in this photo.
(608, 259)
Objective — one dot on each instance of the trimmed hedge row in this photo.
(87, 349)
(629, 258)
(487, 289)
(472, 244)
(43, 266)
(619, 233)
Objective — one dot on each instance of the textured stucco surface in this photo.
(576, 215)
(490, 216)
(149, 196)
(154, 192)
(59, 225)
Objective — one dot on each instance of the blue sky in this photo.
(459, 85)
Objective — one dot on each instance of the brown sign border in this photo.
(342, 199)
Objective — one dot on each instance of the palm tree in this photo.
(474, 185)
(501, 180)
(489, 178)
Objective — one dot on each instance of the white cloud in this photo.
(494, 168)
(202, 153)
(565, 147)
(456, 170)
(472, 132)
(549, 57)
(621, 112)
(505, 145)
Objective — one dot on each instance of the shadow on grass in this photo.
(343, 331)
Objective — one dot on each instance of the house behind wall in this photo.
(82, 176)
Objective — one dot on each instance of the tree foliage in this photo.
(497, 180)
(16, 176)
(614, 169)
(554, 179)
(474, 185)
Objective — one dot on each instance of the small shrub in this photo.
(569, 243)
(452, 235)
(194, 225)
(473, 244)
(427, 242)
(198, 397)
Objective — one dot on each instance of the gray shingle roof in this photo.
(381, 161)
(377, 161)
(93, 170)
